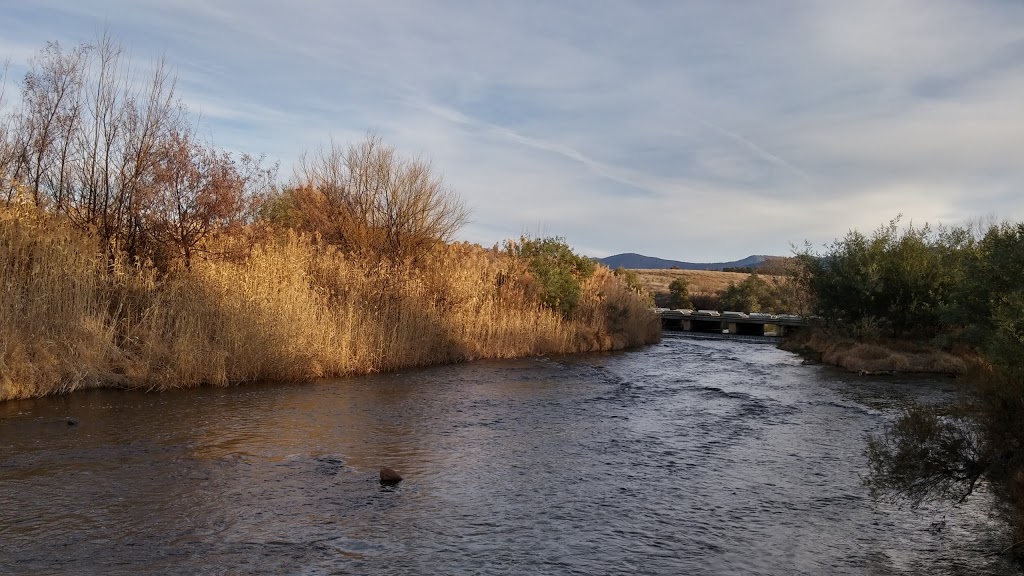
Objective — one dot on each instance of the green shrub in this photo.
(557, 270)
(753, 294)
(679, 294)
(902, 281)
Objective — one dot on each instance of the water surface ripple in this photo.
(688, 457)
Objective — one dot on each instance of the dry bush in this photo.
(113, 151)
(196, 193)
(86, 132)
(372, 202)
(879, 355)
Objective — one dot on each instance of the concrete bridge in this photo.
(732, 322)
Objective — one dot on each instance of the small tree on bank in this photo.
(753, 294)
(679, 293)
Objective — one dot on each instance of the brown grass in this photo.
(877, 356)
(291, 309)
(700, 281)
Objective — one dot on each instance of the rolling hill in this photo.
(641, 262)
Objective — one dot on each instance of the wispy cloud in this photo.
(758, 150)
(691, 130)
(642, 184)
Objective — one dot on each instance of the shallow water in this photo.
(688, 457)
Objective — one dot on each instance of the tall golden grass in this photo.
(290, 308)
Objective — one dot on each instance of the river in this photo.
(687, 457)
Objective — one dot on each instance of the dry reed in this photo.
(879, 355)
(290, 309)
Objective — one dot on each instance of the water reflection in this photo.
(697, 457)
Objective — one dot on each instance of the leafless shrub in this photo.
(370, 201)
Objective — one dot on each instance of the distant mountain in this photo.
(639, 261)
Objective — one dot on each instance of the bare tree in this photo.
(153, 114)
(7, 147)
(373, 202)
(87, 136)
(130, 116)
(50, 113)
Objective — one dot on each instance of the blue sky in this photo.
(698, 131)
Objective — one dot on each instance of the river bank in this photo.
(877, 356)
(283, 307)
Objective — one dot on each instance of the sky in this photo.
(698, 131)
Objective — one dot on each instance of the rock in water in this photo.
(389, 476)
(72, 421)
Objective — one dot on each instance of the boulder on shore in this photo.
(389, 476)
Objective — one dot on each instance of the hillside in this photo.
(641, 262)
(700, 282)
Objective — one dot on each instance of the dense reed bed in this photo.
(287, 307)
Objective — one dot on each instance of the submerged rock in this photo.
(389, 476)
(71, 421)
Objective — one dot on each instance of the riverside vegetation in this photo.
(949, 293)
(135, 254)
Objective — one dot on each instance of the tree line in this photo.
(961, 289)
(109, 146)
(956, 288)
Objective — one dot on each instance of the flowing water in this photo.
(688, 457)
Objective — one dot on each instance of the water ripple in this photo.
(689, 457)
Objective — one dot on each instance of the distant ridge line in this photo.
(639, 261)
